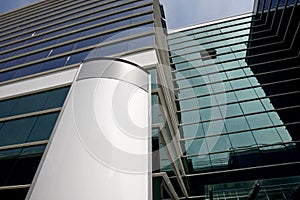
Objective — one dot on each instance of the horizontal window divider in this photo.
(77, 50)
(63, 11)
(75, 31)
(28, 144)
(240, 131)
(34, 10)
(238, 78)
(81, 22)
(230, 70)
(245, 148)
(241, 115)
(15, 187)
(213, 23)
(23, 78)
(239, 89)
(168, 183)
(31, 114)
(241, 169)
(191, 38)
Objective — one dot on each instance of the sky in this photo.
(179, 13)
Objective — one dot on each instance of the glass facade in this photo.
(26, 123)
(237, 140)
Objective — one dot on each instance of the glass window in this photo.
(53, 64)
(252, 106)
(88, 42)
(30, 103)
(5, 76)
(56, 98)
(16, 131)
(29, 70)
(62, 49)
(6, 107)
(236, 124)
(259, 120)
(77, 57)
(244, 139)
(219, 143)
(141, 42)
(43, 127)
(267, 136)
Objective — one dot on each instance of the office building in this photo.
(224, 97)
(41, 49)
(238, 92)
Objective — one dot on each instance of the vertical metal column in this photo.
(100, 147)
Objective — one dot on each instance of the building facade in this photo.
(224, 94)
(41, 49)
(237, 87)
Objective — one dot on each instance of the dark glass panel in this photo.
(6, 107)
(16, 131)
(30, 103)
(56, 98)
(43, 127)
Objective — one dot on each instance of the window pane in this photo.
(43, 127)
(16, 131)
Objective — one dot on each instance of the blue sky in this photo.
(179, 13)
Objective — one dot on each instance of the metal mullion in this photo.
(233, 79)
(228, 45)
(176, 171)
(250, 34)
(14, 187)
(216, 23)
(22, 145)
(65, 20)
(241, 115)
(241, 131)
(220, 62)
(52, 13)
(31, 114)
(20, 18)
(76, 23)
(242, 169)
(76, 31)
(24, 10)
(234, 90)
(169, 184)
(77, 50)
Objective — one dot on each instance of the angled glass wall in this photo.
(231, 129)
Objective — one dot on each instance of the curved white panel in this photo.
(100, 146)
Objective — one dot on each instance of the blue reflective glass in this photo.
(77, 58)
(62, 49)
(141, 42)
(24, 71)
(88, 42)
(37, 56)
(5, 76)
(53, 64)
